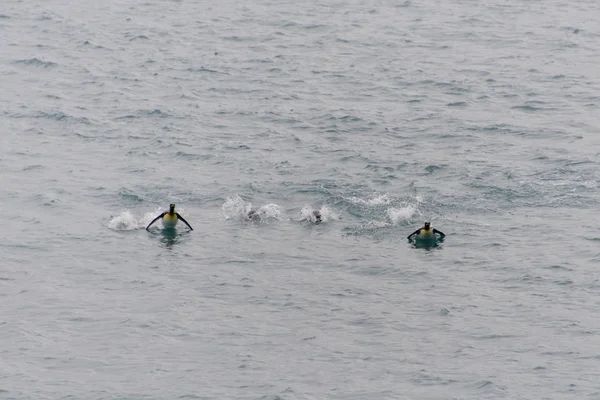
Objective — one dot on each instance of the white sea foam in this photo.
(372, 201)
(236, 207)
(401, 214)
(307, 214)
(126, 221)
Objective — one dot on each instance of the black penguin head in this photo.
(427, 225)
(317, 215)
(171, 208)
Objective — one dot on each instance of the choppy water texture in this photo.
(478, 115)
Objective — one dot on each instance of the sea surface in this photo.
(479, 116)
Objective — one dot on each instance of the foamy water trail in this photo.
(126, 221)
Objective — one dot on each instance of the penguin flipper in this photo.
(184, 221)
(155, 219)
(414, 233)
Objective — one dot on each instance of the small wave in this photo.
(342, 116)
(36, 62)
(144, 113)
(128, 116)
(457, 104)
(60, 116)
(483, 384)
(56, 116)
(432, 168)
(206, 70)
(564, 282)
(192, 156)
(33, 167)
(233, 38)
(48, 199)
(558, 267)
(530, 108)
(156, 112)
(127, 194)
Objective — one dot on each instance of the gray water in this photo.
(480, 116)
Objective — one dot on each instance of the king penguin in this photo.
(426, 233)
(169, 219)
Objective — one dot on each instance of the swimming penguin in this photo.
(426, 233)
(317, 215)
(169, 219)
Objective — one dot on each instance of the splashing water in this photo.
(236, 207)
(126, 221)
(307, 214)
(270, 211)
(402, 214)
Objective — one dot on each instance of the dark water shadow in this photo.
(426, 244)
(169, 237)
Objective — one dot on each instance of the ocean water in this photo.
(480, 116)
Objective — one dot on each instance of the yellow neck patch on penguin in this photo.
(425, 233)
